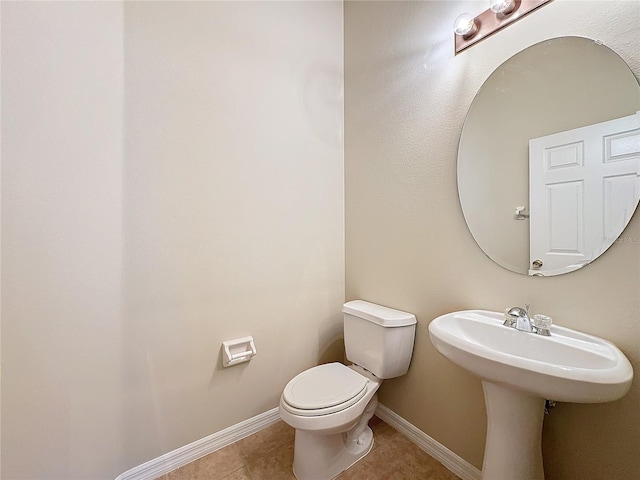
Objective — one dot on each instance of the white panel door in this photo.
(584, 185)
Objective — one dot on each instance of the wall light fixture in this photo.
(465, 26)
(469, 30)
(502, 6)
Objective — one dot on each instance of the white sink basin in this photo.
(568, 366)
(519, 371)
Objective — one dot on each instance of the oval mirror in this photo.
(549, 157)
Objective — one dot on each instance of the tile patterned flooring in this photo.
(268, 455)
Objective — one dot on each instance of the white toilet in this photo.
(330, 405)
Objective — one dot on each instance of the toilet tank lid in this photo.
(387, 317)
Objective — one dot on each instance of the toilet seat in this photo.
(323, 390)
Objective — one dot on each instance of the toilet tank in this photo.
(378, 338)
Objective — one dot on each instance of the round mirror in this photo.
(549, 157)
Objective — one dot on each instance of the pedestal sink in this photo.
(519, 371)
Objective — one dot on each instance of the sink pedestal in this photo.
(513, 449)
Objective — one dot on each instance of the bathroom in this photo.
(178, 174)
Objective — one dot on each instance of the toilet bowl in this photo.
(330, 405)
(331, 431)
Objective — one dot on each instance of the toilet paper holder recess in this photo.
(237, 351)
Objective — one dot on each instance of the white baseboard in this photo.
(200, 448)
(453, 462)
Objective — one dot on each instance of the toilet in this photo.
(330, 405)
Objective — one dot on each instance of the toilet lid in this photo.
(324, 386)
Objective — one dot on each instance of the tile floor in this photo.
(268, 455)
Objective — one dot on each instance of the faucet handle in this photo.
(542, 324)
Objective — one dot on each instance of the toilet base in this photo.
(323, 457)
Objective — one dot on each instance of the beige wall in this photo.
(234, 225)
(172, 177)
(62, 167)
(408, 247)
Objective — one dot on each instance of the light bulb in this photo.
(502, 6)
(465, 25)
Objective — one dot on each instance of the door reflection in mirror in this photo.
(583, 189)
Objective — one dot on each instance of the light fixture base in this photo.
(489, 22)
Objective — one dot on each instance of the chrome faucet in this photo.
(518, 318)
